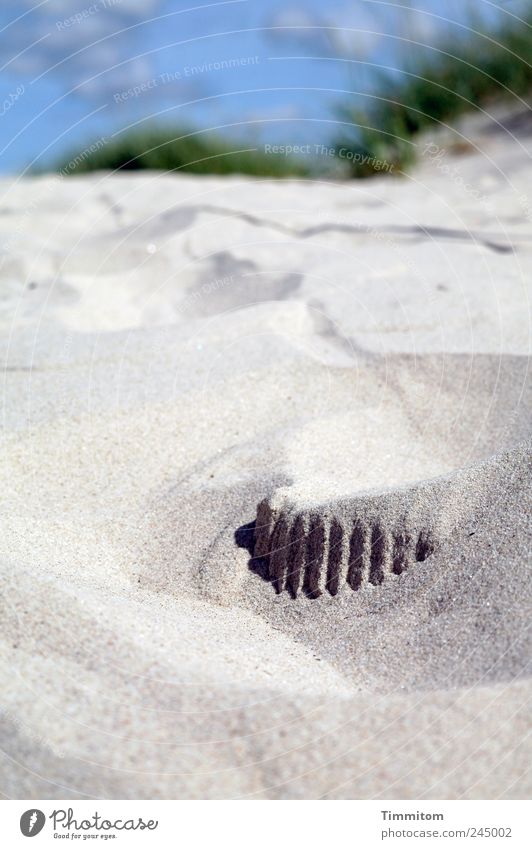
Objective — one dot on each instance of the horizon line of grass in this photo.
(164, 149)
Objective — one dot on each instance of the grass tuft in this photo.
(167, 150)
(445, 84)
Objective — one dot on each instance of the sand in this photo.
(353, 357)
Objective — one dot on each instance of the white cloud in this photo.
(66, 31)
(63, 8)
(328, 30)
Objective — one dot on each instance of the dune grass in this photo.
(163, 149)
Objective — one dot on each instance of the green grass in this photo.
(440, 87)
(167, 150)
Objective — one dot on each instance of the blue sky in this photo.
(260, 70)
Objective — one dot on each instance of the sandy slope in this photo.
(176, 350)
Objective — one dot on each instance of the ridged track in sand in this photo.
(316, 553)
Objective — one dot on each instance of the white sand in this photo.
(177, 349)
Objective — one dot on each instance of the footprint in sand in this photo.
(411, 465)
